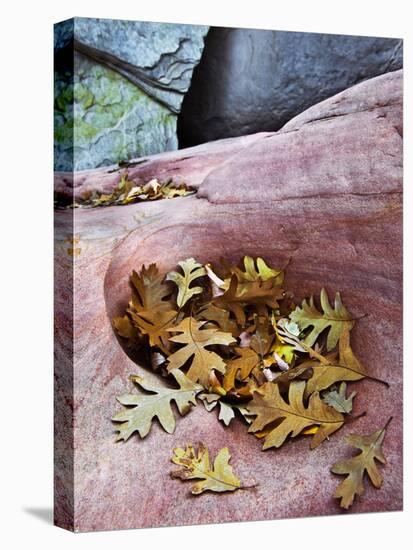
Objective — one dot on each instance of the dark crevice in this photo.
(137, 76)
(203, 194)
(249, 80)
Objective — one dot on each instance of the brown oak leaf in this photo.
(196, 339)
(268, 406)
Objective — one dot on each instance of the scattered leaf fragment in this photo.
(127, 192)
(339, 400)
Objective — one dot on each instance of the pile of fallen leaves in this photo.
(233, 338)
(128, 192)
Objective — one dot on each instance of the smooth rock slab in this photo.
(341, 229)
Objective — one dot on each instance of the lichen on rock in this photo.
(104, 113)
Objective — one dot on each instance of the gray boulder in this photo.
(124, 90)
(257, 80)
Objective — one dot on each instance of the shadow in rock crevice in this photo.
(252, 80)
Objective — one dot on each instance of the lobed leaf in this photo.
(336, 320)
(143, 408)
(191, 270)
(218, 478)
(268, 406)
(355, 468)
(196, 339)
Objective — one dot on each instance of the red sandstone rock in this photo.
(324, 192)
(189, 166)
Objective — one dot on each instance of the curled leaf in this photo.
(339, 400)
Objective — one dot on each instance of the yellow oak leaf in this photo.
(191, 270)
(256, 269)
(218, 478)
(326, 372)
(258, 293)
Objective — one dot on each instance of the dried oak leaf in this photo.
(339, 400)
(327, 373)
(170, 190)
(143, 408)
(336, 320)
(261, 340)
(125, 328)
(257, 293)
(196, 339)
(220, 317)
(156, 324)
(268, 405)
(257, 269)
(218, 478)
(356, 467)
(240, 367)
(150, 290)
(191, 270)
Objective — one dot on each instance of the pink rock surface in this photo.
(326, 193)
(189, 166)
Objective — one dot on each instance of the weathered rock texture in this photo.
(326, 193)
(256, 80)
(127, 80)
